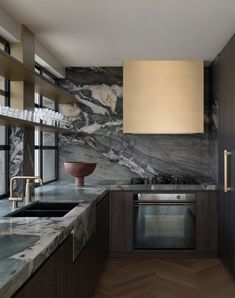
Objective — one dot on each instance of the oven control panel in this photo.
(165, 197)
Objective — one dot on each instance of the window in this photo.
(45, 73)
(4, 45)
(4, 139)
(46, 144)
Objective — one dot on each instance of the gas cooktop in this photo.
(165, 179)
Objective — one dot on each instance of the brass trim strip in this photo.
(226, 154)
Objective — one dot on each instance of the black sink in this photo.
(44, 209)
(51, 206)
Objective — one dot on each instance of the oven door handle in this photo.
(163, 204)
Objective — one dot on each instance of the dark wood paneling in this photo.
(84, 273)
(59, 277)
(121, 221)
(51, 279)
(64, 269)
(90, 264)
(226, 78)
(207, 223)
(102, 233)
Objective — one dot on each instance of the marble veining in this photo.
(16, 136)
(18, 242)
(97, 117)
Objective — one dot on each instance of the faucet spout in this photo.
(28, 193)
(28, 187)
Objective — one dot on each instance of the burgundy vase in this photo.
(79, 170)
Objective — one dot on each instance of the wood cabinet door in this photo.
(53, 278)
(207, 221)
(121, 221)
(226, 79)
(84, 273)
(102, 232)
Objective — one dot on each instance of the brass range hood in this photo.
(163, 97)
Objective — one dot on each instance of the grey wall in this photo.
(97, 117)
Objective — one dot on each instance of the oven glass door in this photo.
(164, 226)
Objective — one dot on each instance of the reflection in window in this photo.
(49, 157)
(48, 103)
(3, 173)
(2, 135)
(37, 162)
(49, 139)
(2, 83)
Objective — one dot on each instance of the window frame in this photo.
(6, 44)
(41, 70)
(6, 148)
(42, 147)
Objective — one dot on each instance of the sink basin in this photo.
(79, 170)
(44, 209)
(40, 213)
(51, 206)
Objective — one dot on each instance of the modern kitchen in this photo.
(117, 149)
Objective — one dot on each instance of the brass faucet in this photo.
(28, 193)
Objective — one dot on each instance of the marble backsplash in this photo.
(16, 136)
(97, 117)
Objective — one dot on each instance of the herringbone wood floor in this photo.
(165, 278)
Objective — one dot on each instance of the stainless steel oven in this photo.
(164, 221)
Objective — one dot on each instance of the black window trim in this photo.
(42, 147)
(6, 147)
(43, 70)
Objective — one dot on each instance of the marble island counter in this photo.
(25, 243)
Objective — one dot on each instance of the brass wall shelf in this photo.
(11, 121)
(14, 70)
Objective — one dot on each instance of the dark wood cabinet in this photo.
(60, 277)
(207, 221)
(225, 73)
(52, 279)
(83, 275)
(90, 263)
(121, 209)
(102, 232)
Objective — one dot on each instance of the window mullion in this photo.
(42, 149)
(5, 92)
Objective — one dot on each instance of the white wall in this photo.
(10, 29)
(46, 59)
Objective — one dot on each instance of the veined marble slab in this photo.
(97, 117)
